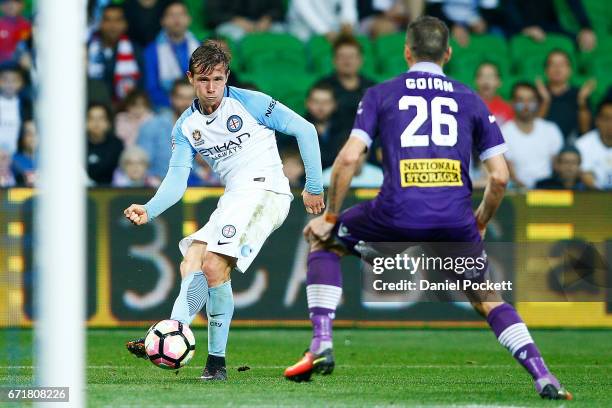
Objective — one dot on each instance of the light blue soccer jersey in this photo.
(238, 141)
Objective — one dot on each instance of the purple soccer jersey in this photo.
(427, 125)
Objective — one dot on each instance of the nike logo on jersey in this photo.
(491, 118)
(218, 314)
(223, 243)
(208, 122)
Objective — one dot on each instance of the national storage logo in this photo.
(430, 173)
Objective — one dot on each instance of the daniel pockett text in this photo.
(469, 273)
(400, 272)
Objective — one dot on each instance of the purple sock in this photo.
(512, 333)
(323, 290)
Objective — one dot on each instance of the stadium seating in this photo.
(390, 55)
(198, 16)
(272, 52)
(529, 56)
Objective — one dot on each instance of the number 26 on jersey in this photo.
(410, 138)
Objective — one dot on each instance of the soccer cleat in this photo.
(549, 388)
(137, 348)
(214, 374)
(310, 363)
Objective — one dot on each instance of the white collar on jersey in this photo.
(429, 67)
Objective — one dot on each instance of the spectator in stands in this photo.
(14, 108)
(596, 149)
(320, 111)
(346, 81)
(24, 159)
(155, 134)
(562, 103)
(487, 85)
(293, 167)
(112, 57)
(95, 9)
(135, 110)
(236, 18)
(532, 142)
(13, 28)
(167, 58)
(144, 19)
(103, 147)
(537, 18)
(330, 18)
(133, 167)
(465, 17)
(380, 17)
(566, 172)
(7, 179)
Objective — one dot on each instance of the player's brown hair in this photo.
(427, 38)
(207, 56)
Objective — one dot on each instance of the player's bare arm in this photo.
(497, 179)
(343, 170)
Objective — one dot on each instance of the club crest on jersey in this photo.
(234, 123)
(228, 231)
(197, 135)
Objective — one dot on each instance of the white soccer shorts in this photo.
(241, 224)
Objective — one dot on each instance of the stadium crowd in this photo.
(541, 67)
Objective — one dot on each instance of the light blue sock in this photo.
(220, 309)
(191, 299)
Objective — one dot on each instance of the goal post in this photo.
(60, 207)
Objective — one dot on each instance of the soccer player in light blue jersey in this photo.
(233, 129)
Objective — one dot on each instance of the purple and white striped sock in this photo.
(512, 333)
(323, 291)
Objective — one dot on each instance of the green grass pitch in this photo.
(374, 368)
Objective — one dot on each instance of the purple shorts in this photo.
(359, 225)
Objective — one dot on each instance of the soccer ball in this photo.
(170, 344)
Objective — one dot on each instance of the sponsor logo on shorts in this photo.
(228, 231)
(234, 123)
(430, 173)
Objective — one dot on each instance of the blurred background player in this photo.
(437, 209)
(233, 130)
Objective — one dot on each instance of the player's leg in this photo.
(324, 286)
(323, 292)
(194, 286)
(220, 310)
(191, 298)
(238, 231)
(512, 333)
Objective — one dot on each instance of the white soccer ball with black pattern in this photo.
(170, 344)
